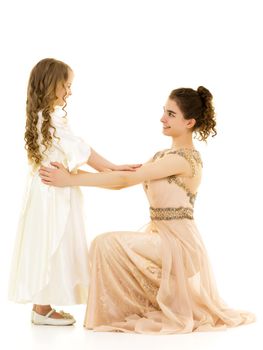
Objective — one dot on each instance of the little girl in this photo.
(50, 262)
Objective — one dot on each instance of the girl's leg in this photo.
(45, 309)
(45, 315)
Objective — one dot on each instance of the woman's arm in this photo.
(97, 162)
(169, 165)
(80, 171)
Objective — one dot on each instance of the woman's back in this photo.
(175, 192)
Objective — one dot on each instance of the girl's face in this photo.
(63, 90)
(174, 123)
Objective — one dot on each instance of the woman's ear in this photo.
(191, 123)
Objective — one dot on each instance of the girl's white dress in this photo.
(50, 262)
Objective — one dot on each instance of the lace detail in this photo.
(191, 155)
(180, 183)
(137, 291)
(155, 271)
(150, 288)
(160, 154)
(171, 213)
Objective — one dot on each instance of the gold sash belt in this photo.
(171, 213)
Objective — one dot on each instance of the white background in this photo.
(127, 56)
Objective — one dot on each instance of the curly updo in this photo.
(197, 105)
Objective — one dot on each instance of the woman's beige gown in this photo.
(160, 280)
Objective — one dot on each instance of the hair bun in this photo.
(205, 94)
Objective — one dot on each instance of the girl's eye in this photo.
(171, 114)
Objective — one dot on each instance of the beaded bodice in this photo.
(174, 196)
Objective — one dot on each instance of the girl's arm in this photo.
(97, 162)
(169, 165)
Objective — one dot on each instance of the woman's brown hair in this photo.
(41, 96)
(197, 105)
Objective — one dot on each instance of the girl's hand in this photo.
(59, 177)
(127, 167)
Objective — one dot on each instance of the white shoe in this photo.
(38, 319)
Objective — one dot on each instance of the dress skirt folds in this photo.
(50, 261)
(158, 281)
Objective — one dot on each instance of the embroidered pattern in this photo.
(155, 271)
(160, 154)
(171, 213)
(191, 155)
(150, 289)
(179, 182)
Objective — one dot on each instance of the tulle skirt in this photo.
(157, 281)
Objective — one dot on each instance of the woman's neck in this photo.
(183, 142)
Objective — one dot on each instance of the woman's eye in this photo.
(171, 114)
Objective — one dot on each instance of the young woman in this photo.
(159, 281)
(50, 263)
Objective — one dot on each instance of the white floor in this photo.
(19, 333)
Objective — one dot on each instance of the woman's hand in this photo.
(127, 167)
(59, 176)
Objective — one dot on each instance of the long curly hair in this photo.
(199, 106)
(41, 96)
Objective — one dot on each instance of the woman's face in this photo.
(63, 90)
(174, 123)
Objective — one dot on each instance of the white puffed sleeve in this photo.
(76, 151)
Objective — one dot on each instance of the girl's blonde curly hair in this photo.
(41, 96)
